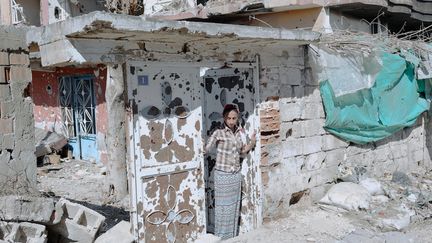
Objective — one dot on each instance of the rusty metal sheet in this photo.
(234, 85)
(168, 189)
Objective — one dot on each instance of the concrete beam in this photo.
(93, 24)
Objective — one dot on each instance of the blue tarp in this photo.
(367, 115)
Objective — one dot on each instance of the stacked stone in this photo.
(17, 159)
(298, 156)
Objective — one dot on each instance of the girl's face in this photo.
(231, 119)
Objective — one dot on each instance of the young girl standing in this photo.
(227, 176)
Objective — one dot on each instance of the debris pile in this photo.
(39, 219)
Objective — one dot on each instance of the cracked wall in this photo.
(17, 159)
(300, 157)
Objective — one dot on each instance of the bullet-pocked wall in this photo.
(47, 109)
(17, 159)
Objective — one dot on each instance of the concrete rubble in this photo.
(119, 234)
(75, 222)
(22, 232)
(60, 222)
(26, 208)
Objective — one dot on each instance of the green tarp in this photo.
(367, 115)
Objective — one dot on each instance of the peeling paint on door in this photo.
(167, 159)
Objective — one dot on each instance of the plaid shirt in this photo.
(228, 146)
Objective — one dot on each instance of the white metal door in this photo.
(166, 141)
(236, 86)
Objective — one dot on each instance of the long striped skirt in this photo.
(227, 203)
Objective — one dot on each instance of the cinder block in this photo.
(120, 233)
(311, 145)
(291, 76)
(314, 161)
(335, 157)
(23, 232)
(7, 141)
(19, 59)
(2, 75)
(313, 127)
(76, 222)
(292, 166)
(4, 58)
(292, 148)
(299, 91)
(290, 111)
(26, 208)
(312, 111)
(5, 92)
(6, 126)
(331, 142)
(20, 74)
(7, 109)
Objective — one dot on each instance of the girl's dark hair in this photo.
(228, 108)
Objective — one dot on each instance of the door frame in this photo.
(136, 198)
(78, 138)
(255, 123)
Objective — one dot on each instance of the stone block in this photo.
(6, 126)
(7, 109)
(335, 157)
(19, 59)
(291, 148)
(286, 91)
(22, 232)
(291, 76)
(20, 74)
(312, 95)
(312, 111)
(120, 233)
(311, 145)
(4, 58)
(313, 127)
(290, 111)
(5, 92)
(299, 91)
(76, 222)
(7, 141)
(290, 130)
(314, 161)
(293, 165)
(3, 76)
(26, 208)
(331, 142)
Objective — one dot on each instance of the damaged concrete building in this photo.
(141, 94)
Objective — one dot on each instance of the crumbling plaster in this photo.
(47, 110)
(17, 159)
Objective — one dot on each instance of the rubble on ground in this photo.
(48, 144)
(360, 208)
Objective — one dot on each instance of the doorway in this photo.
(233, 85)
(77, 103)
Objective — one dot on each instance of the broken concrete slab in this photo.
(22, 232)
(76, 222)
(26, 208)
(120, 233)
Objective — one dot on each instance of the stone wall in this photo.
(299, 156)
(17, 159)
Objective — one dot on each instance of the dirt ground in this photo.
(82, 182)
(314, 222)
